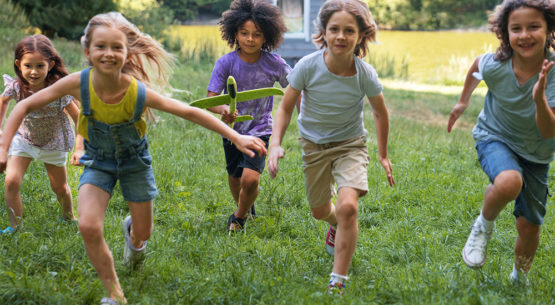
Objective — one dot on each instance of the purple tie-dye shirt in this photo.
(270, 68)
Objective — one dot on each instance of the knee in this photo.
(249, 184)
(60, 189)
(508, 184)
(526, 229)
(347, 210)
(322, 212)
(90, 230)
(12, 184)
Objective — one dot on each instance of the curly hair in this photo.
(41, 44)
(499, 21)
(266, 17)
(366, 25)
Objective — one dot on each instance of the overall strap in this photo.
(85, 95)
(140, 103)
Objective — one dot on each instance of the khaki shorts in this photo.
(21, 148)
(325, 165)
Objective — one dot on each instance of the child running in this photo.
(113, 98)
(46, 133)
(334, 82)
(253, 28)
(515, 130)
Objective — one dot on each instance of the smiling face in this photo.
(342, 34)
(250, 38)
(107, 50)
(527, 33)
(34, 68)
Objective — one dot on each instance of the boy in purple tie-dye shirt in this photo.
(254, 28)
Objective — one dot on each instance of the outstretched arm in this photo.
(205, 119)
(470, 83)
(545, 118)
(281, 122)
(381, 119)
(73, 111)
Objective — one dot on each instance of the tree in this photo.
(63, 18)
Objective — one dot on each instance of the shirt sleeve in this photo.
(550, 88)
(286, 69)
(370, 83)
(219, 76)
(9, 86)
(296, 77)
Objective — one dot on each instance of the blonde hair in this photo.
(366, 24)
(145, 54)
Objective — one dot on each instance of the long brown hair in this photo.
(41, 44)
(499, 21)
(366, 25)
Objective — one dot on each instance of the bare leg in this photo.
(15, 170)
(91, 206)
(248, 191)
(234, 187)
(141, 225)
(505, 188)
(58, 182)
(347, 229)
(526, 244)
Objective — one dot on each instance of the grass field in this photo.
(410, 236)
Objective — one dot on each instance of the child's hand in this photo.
(388, 170)
(228, 117)
(247, 143)
(539, 88)
(276, 153)
(76, 156)
(455, 114)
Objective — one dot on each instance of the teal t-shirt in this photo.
(331, 106)
(509, 110)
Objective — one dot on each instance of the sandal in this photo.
(235, 224)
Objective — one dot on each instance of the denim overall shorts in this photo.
(117, 151)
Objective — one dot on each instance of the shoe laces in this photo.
(478, 237)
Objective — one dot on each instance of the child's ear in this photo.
(18, 63)
(51, 65)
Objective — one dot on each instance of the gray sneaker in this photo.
(474, 252)
(132, 257)
(519, 279)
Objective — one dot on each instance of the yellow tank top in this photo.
(112, 113)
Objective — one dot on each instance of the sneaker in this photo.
(132, 257)
(252, 213)
(474, 252)
(7, 231)
(336, 289)
(330, 241)
(235, 224)
(108, 301)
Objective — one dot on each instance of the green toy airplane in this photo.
(233, 97)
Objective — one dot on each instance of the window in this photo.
(296, 16)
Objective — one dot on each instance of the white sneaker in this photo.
(132, 257)
(330, 241)
(474, 252)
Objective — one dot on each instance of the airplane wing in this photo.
(257, 93)
(243, 118)
(211, 101)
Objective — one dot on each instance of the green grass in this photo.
(410, 236)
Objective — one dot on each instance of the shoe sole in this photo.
(471, 265)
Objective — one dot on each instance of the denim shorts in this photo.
(496, 157)
(134, 173)
(237, 160)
